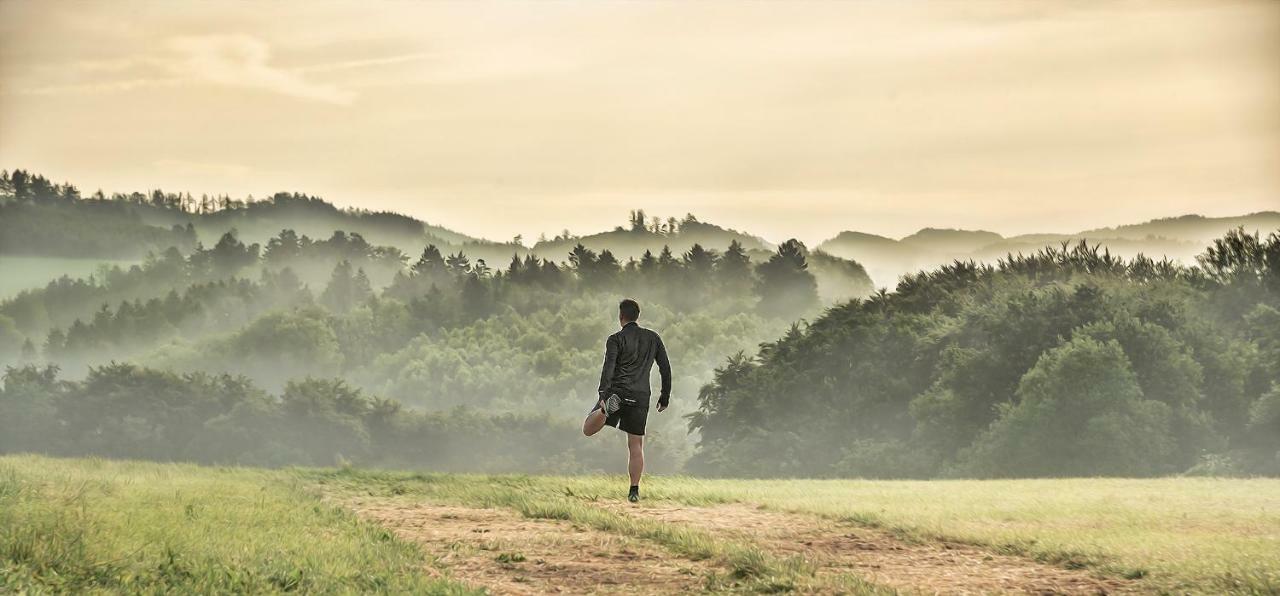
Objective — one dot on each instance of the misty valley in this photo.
(507, 298)
(288, 331)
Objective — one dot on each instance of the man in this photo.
(624, 387)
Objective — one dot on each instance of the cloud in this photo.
(243, 61)
(365, 63)
(230, 60)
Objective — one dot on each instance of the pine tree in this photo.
(668, 266)
(785, 286)
(458, 264)
(648, 263)
(514, 268)
(583, 260)
(431, 262)
(340, 294)
(637, 220)
(733, 271)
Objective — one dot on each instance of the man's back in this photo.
(629, 356)
(624, 387)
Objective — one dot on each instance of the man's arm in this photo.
(610, 361)
(664, 369)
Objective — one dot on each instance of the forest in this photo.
(440, 333)
(1066, 362)
(378, 339)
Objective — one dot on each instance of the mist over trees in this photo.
(434, 330)
(127, 411)
(1068, 362)
(1179, 238)
(315, 344)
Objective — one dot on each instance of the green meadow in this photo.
(93, 525)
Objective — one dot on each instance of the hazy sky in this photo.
(786, 119)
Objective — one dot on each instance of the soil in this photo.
(509, 554)
(506, 553)
(881, 557)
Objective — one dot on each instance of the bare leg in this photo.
(595, 421)
(635, 464)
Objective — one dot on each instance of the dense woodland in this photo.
(437, 332)
(1067, 362)
(127, 411)
(381, 340)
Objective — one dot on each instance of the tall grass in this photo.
(100, 526)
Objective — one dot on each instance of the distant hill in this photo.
(1194, 228)
(631, 243)
(838, 278)
(312, 216)
(42, 219)
(39, 218)
(949, 240)
(1178, 238)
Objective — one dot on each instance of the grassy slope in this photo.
(98, 526)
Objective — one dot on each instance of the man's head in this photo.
(628, 311)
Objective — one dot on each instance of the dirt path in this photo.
(876, 555)
(509, 554)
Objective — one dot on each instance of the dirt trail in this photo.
(876, 555)
(509, 554)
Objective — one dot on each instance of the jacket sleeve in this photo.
(610, 361)
(664, 369)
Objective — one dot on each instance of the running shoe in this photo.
(612, 405)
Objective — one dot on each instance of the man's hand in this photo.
(663, 402)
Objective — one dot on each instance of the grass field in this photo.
(125, 527)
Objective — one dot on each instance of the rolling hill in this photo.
(1178, 238)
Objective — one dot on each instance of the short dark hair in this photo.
(629, 309)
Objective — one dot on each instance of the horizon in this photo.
(805, 122)
(530, 243)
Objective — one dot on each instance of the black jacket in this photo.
(628, 357)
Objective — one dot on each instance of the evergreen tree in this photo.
(784, 284)
(458, 264)
(283, 249)
(342, 292)
(733, 271)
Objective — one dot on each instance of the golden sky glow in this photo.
(786, 119)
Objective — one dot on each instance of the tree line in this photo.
(129, 411)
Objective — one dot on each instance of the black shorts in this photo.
(630, 418)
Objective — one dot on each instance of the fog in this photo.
(211, 339)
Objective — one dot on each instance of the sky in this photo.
(785, 119)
